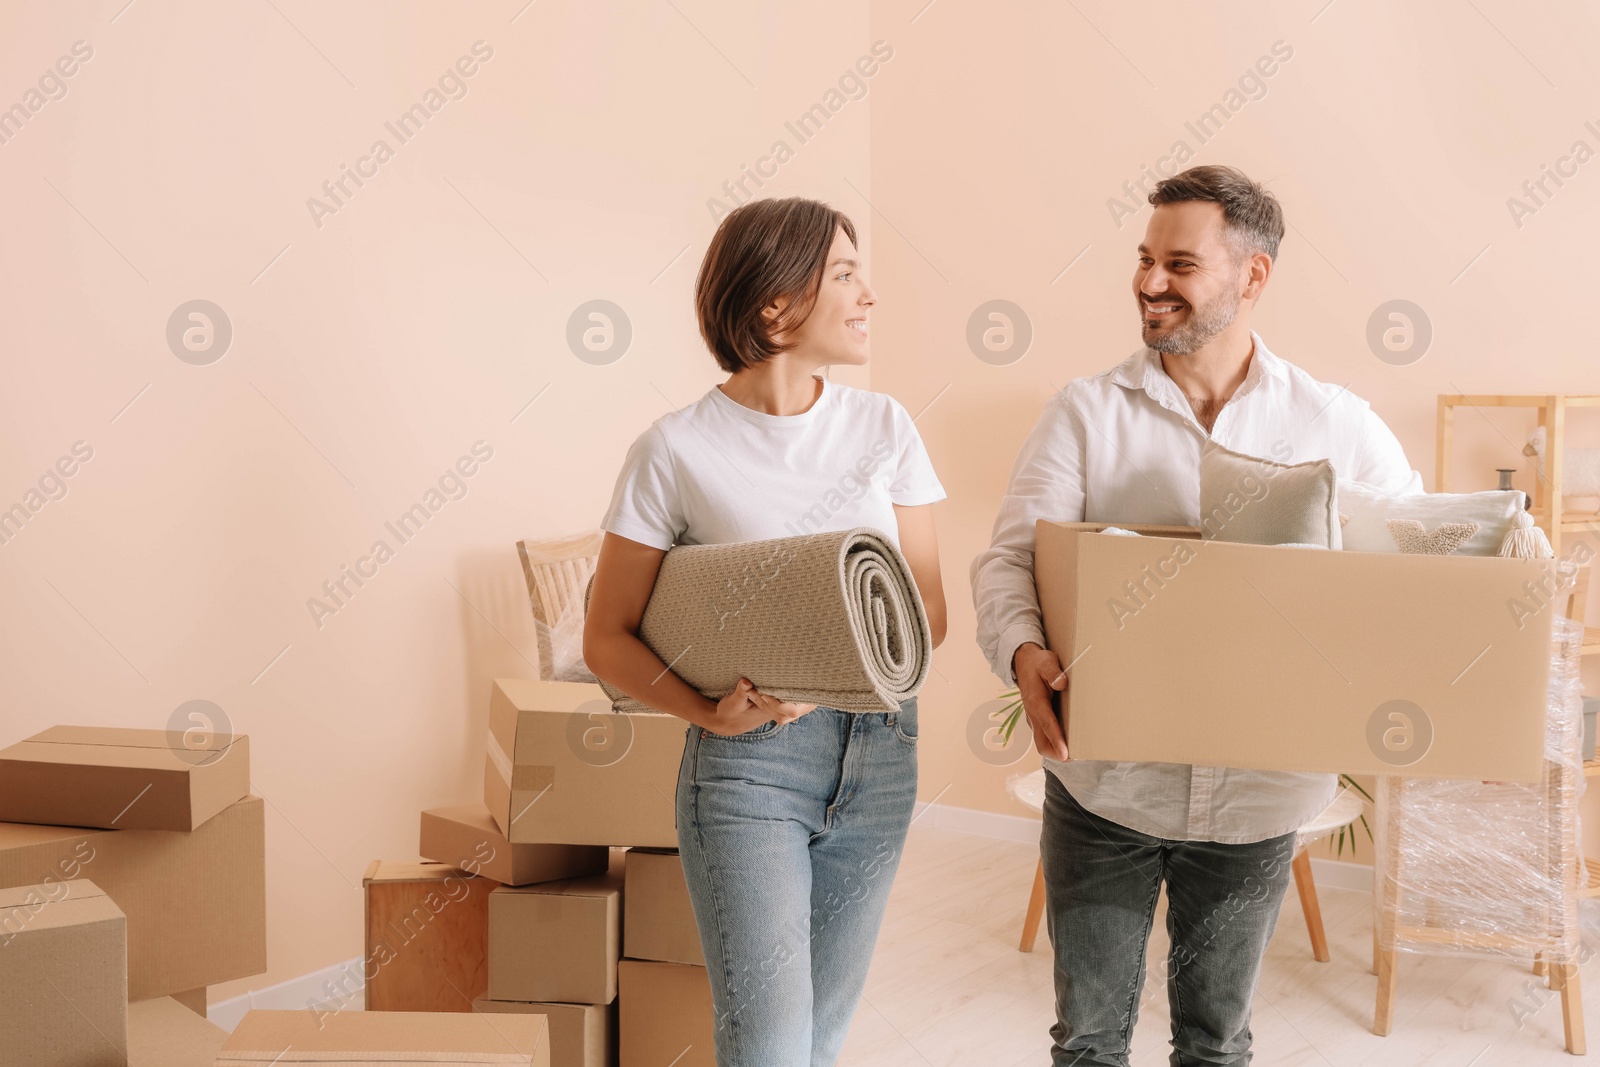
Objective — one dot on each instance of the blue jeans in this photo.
(790, 836)
(1101, 884)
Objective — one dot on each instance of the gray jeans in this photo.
(1101, 884)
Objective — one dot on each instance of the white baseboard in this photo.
(335, 987)
(339, 985)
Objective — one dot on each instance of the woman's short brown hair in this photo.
(763, 251)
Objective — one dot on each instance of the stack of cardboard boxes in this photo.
(132, 868)
(529, 900)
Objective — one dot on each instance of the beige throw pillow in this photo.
(1257, 501)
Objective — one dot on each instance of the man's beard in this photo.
(1203, 323)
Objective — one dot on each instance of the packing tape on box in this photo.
(534, 778)
(498, 757)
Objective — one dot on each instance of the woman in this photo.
(791, 817)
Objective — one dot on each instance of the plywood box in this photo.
(63, 977)
(427, 937)
(666, 1015)
(658, 923)
(465, 836)
(164, 1033)
(386, 1039)
(581, 1035)
(122, 779)
(196, 903)
(556, 941)
(563, 768)
(1296, 659)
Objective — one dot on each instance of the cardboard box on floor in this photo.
(1296, 659)
(164, 1033)
(581, 1035)
(63, 977)
(563, 768)
(196, 902)
(386, 1038)
(556, 941)
(465, 836)
(122, 779)
(666, 1015)
(427, 937)
(658, 923)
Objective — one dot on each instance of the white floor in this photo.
(949, 987)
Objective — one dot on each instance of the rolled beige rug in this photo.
(832, 619)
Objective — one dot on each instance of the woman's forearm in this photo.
(627, 663)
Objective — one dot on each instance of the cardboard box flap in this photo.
(408, 871)
(128, 737)
(287, 1037)
(1276, 657)
(47, 907)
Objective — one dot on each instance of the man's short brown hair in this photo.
(1252, 218)
(763, 251)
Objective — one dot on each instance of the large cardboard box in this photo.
(556, 941)
(581, 1035)
(386, 1039)
(196, 902)
(563, 768)
(427, 937)
(658, 923)
(666, 1015)
(122, 779)
(63, 977)
(1297, 659)
(164, 1033)
(466, 836)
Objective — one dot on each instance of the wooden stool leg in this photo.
(1308, 904)
(1383, 1015)
(1030, 923)
(1564, 976)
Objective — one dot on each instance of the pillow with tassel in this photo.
(1490, 523)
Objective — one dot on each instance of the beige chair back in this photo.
(557, 573)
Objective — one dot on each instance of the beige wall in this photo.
(372, 351)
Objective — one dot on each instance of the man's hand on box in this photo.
(1039, 677)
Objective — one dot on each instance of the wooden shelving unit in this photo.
(1547, 510)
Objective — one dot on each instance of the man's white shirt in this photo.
(1123, 446)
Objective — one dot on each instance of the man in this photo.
(1124, 446)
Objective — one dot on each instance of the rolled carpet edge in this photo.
(833, 619)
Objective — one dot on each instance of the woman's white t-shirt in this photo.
(717, 472)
